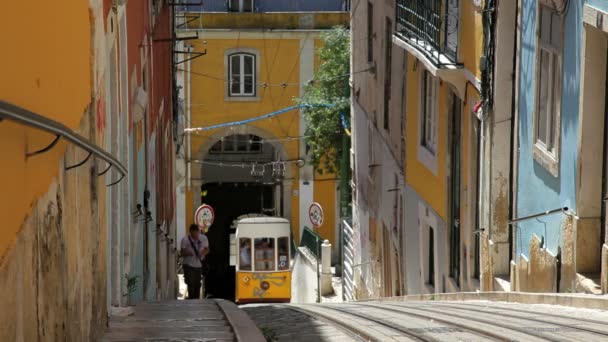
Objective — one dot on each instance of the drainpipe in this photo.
(513, 132)
(188, 121)
(344, 165)
(146, 203)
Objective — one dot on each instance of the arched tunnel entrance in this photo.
(240, 176)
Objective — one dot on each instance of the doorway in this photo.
(229, 200)
(455, 173)
(604, 165)
(474, 184)
(387, 265)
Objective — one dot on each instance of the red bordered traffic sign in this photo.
(204, 216)
(315, 213)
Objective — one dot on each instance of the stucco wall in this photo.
(304, 277)
(53, 281)
(599, 4)
(286, 57)
(432, 187)
(53, 236)
(538, 190)
(416, 244)
(55, 83)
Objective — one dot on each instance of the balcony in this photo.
(429, 30)
(262, 5)
(266, 20)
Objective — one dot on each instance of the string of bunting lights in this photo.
(265, 116)
(258, 170)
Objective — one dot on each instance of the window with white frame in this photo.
(240, 5)
(242, 74)
(428, 113)
(548, 87)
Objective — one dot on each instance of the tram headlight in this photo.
(265, 285)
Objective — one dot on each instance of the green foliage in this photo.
(330, 86)
(131, 285)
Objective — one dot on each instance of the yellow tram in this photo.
(262, 255)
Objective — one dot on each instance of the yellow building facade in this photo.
(52, 251)
(252, 65)
(58, 88)
(443, 125)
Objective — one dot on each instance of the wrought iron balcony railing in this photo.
(430, 26)
(262, 5)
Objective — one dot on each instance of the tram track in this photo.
(531, 312)
(468, 328)
(541, 333)
(416, 336)
(457, 306)
(356, 335)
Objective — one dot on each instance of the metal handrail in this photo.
(14, 113)
(564, 210)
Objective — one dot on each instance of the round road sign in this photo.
(204, 216)
(315, 213)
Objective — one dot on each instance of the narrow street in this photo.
(430, 321)
(210, 320)
(304, 170)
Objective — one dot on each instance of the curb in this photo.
(571, 300)
(242, 325)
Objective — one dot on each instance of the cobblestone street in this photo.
(284, 323)
(430, 321)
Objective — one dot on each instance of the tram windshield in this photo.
(264, 254)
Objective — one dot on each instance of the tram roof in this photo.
(262, 227)
(263, 220)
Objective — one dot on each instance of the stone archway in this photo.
(284, 191)
(222, 177)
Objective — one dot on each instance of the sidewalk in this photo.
(576, 300)
(178, 320)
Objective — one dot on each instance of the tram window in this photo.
(264, 254)
(241, 143)
(245, 254)
(283, 245)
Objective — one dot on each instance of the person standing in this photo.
(245, 255)
(194, 248)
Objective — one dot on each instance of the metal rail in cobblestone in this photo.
(243, 327)
(506, 312)
(364, 331)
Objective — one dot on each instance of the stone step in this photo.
(588, 283)
(502, 283)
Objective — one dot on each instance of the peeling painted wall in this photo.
(53, 280)
(599, 4)
(50, 74)
(538, 190)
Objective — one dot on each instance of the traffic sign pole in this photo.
(315, 214)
